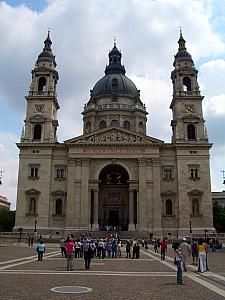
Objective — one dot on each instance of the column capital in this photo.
(85, 161)
(142, 161)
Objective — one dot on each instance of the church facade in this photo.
(114, 174)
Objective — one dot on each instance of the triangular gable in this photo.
(114, 135)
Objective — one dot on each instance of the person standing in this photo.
(70, 254)
(185, 252)
(40, 250)
(177, 261)
(163, 246)
(88, 251)
(202, 250)
(194, 250)
(63, 247)
(128, 246)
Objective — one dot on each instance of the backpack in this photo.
(194, 246)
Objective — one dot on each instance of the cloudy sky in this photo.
(82, 33)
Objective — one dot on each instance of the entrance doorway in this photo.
(114, 218)
(114, 197)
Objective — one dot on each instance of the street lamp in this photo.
(20, 232)
(205, 233)
(35, 226)
(190, 230)
(223, 171)
(1, 176)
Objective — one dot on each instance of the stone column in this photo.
(85, 205)
(70, 207)
(131, 211)
(156, 197)
(142, 198)
(95, 225)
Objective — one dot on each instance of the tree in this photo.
(218, 217)
(7, 220)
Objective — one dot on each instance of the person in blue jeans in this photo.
(40, 250)
(177, 261)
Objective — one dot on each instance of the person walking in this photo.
(202, 250)
(163, 247)
(70, 254)
(177, 262)
(185, 252)
(40, 250)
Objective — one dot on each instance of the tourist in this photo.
(202, 250)
(63, 247)
(194, 250)
(119, 246)
(177, 262)
(114, 248)
(40, 250)
(128, 248)
(185, 252)
(88, 252)
(163, 247)
(70, 254)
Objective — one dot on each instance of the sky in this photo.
(82, 33)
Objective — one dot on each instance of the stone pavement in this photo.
(23, 277)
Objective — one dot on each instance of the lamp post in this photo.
(20, 232)
(35, 225)
(205, 233)
(223, 171)
(1, 176)
(190, 228)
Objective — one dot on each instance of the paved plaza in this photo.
(23, 277)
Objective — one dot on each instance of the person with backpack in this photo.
(88, 252)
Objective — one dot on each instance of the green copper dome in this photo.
(114, 81)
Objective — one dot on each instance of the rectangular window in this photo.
(60, 172)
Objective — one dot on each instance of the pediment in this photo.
(114, 136)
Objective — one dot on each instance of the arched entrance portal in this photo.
(114, 197)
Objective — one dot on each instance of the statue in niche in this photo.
(195, 207)
(32, 206)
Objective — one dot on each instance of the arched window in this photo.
(58, 207)
(141, 127)
(169, 208)
(34, 172)
(37, 131)
(88, 127)
(191, 132)
(195, 207)
(186, 84)
(42, 84)
(126, 124)
(103, 124)
(114, 123)
(114, 84)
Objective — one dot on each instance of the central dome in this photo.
(115, 83)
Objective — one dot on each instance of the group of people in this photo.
(182, 253)
(100, 248)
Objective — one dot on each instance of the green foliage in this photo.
(218, 217)
(7, 220)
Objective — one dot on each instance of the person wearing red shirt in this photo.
(163, 247)
(70, 254)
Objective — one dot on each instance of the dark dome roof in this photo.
(115, 83)
(183, 54)
(46, 54)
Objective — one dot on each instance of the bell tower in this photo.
(188, 122)
(42, 105)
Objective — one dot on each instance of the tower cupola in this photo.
(47, 54)
(114, 66)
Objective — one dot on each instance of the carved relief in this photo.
(114, 137)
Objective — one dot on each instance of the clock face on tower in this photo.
(189, 108)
